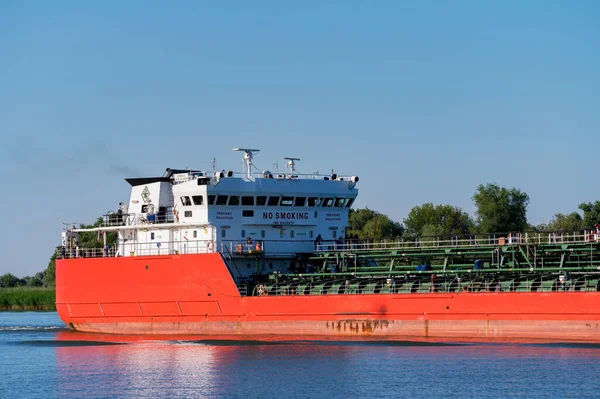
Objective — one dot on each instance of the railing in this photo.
(214, 177)
(140, 249)
(137, 219)
(585, 237)
(269, 247)
(391, 286)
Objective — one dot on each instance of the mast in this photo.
(248, 152)
(291, 164)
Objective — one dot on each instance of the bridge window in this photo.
(287, 201)
(274, 201)
(299, 201)
(248, 201)
(340, 202)
(221, 200)
(327, 202)
(261, 200)
(312, 201)
(211, 199)
(350, 202)
(248, 214)
(198, 199)
(234, 200)
(185, 201)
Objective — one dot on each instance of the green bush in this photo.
(27, 298)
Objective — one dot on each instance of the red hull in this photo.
(195, 295)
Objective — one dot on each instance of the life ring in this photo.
(261, 290)
(209, 246)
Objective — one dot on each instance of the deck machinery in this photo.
(496, 263)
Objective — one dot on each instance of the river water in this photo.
(40, 359)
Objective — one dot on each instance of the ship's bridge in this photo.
(187, 211)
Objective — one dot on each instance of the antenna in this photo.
(291, 164)
(247, 159)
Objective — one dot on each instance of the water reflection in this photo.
(188, 367)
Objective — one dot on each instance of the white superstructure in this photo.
(260, 220)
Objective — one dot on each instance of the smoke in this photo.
(27, 155)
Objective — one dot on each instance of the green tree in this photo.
(564, 222)
(371, 225)
(591, 214)
(438, 220)
(8, 280)
(49, 279)
(500, 209)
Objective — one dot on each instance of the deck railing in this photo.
(562, 283)
(492, 240)
(139, 249)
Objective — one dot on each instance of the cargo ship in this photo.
(261, 254)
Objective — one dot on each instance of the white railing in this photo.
(140, 249)
(587, 236)
(216, 176)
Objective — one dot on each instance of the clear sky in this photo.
(424, 100)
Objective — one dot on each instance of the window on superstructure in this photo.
(340, 202)
(198, 199)
(243, 233)
(262, 234)
(291, 233)
(211, 199)
(287, 201)
(185, 201)
(274, 201)
(319, 202)
(145, 208)
(234, 200)
(187, 214)
(223, 233)
(261, 200)
(221, 200)
(247, 201)
(152, 236)
(195, 234)
(299, 201)
(248, 213)
(312, 201)
(327, 202)
(350, 202)
(310, 234)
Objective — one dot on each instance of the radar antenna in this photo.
(247, 159)
(291, 164)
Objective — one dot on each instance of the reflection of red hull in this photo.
(195, 295)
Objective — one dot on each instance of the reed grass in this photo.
(27, 298)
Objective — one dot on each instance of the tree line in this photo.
(498, 210)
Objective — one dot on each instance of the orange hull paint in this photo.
(196, 295)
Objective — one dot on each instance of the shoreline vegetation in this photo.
(27, 298)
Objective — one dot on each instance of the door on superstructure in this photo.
(176, 243)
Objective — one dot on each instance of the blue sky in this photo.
(424, 100)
